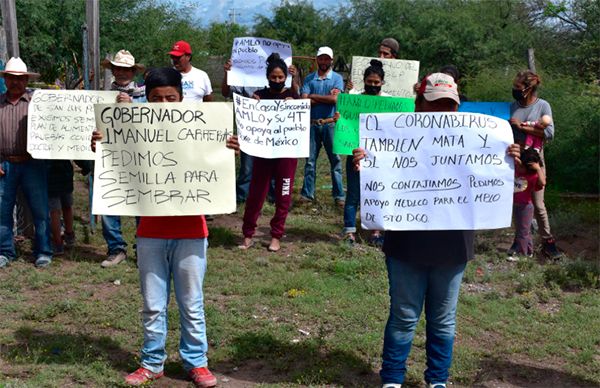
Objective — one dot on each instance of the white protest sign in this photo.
(60, 122)
(164, 159)
(249, 60)
(400, 75)
(273, 128)
(435, 171)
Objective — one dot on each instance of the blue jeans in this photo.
(322, 135)
(242, 183)
(352, 196)
(111, 230)
(185, 261)
(31, 176)
(411, 286)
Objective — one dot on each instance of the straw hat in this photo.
(16, 66)
(122, 59)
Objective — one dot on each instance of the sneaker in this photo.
(69, 239)
(304, 200)
(550, 250)
(391, 385)
(114, 259)
(59, 250)
(340, 203)
(350, 239)
(201, 377)
(142, 376)
(43, 261)
(514, 248)
(4, 261)
(376, 241)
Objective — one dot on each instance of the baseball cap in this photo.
(392, 44)
(325, 51)
(439, 85)
(180, 48)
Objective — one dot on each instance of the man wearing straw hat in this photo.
(124, 69)
(19, 169)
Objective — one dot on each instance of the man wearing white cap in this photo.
(18, 169)
(124, 69)
(322, 87)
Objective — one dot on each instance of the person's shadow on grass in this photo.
(262, 358)
(524, 374)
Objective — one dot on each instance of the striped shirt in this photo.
(13, 125)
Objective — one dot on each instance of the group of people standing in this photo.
(425, 268)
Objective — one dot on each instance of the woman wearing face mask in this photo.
(282, 170)
(373, 79)
(526, 109)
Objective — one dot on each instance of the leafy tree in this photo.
(220, 37)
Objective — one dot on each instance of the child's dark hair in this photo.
(530, 155)
(273, 62)
(452, 71)
(376, 67)
(163, 76)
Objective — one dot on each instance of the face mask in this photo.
(277, 86)
(519, 94)
(372, 90)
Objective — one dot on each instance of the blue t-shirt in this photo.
(323, 86)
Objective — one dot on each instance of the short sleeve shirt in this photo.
(532, 112)
(322, 86)
(195, 84)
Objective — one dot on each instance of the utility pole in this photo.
(92, 14)
(232, 14)
(9, 21)
(531, 59)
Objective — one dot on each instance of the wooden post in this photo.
(92, 13)
(531, 60)
(9, 21)
(107, 75)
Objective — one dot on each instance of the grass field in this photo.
(310, 315)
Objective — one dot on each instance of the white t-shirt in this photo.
(195, 84)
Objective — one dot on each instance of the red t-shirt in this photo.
(173, 227)
(525, 184)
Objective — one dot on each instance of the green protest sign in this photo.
(350, 106)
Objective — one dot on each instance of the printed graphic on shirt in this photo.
(520, 184)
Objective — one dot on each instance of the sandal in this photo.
(247, 244)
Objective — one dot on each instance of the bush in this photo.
(573, 275)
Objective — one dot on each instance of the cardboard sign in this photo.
(350, 106)
(273, 128)
(60, 122)
(435, 171)
(400, 75)
(164, 159)
(249, 60)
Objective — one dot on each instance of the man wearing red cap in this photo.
(195, 82)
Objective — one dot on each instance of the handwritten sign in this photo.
(400, 75)
(60, 122)
(350, 106)
(496, 109)
(249, 60)
(164, 159)
(435, 171)
(273, 128)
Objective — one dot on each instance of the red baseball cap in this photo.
(180, 48)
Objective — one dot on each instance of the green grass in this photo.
(311, 315)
